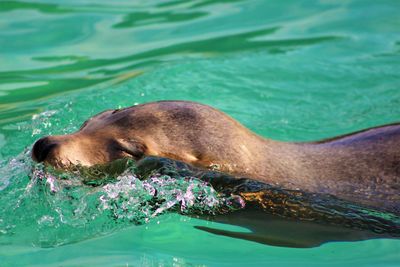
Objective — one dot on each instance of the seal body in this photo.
(361, 167)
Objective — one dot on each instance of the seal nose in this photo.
(42, 148)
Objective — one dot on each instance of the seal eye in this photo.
(132, 148)
(136, 154)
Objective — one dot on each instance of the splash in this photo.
(41, 120)
(133, 199)
(57, 209)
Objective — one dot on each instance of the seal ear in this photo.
(133, 147)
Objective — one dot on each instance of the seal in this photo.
(363, 167)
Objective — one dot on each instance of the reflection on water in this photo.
(224, 44)
(141, 18)
(7, 6)
(89, 52)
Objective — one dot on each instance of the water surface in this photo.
(296, 70)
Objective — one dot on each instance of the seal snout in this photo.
(42, 148)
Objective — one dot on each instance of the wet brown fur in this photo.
(361, 167)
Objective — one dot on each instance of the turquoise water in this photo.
(293, 70)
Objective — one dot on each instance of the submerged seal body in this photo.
(363, 167)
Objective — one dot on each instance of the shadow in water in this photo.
(282, 217)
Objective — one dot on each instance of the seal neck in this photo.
(281, 165)
(292, 165)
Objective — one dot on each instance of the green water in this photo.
(288, 70)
